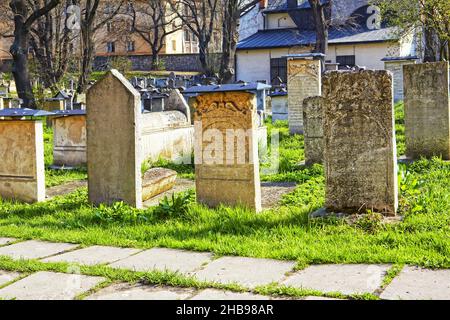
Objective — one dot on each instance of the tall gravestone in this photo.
(22, 172)
(313, 123)
(113, 141)
(427, 110)
(360, 148)
(226, 149)
(304, 80)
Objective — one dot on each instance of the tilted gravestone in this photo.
(360, 148)
(304, 80)
(22, 172)
(113, 141)
(313, 124)
(226, 148)
(427, 110)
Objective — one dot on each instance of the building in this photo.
(357, 37)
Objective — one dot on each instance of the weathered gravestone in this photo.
(22, 172)
(427, 110)
(313, 124)
(226, 147)
(69, 138)
(360, 149)
(304, 80)
(113, 141)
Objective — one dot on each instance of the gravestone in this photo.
(395, 65)
(313, 123)
(359, 136)
(427, 108)
(226, 147)
(69, 141)
(22, 172)
(304, 80)
(113, 141)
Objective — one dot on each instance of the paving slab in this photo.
(49, 286)
(93, 255)
(415, 283)
(213, 294)
(165, 259)
(34, 249)
(7, 276)
(312, 298)
(124, 291)
(5, 241)
(343, 278)
(248, 272)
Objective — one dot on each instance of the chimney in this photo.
(263, 4)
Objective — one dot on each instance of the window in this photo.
(109, 26)
(174, 45)
(278, 68)
(111, 47)
(187, 35)
(346, 60)
(131, 46)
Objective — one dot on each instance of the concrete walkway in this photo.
(357, 279)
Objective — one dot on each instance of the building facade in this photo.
(357, 37)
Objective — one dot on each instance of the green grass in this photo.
(421, 238)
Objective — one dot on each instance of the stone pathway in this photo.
(248, 273)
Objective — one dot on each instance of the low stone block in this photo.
(69, 142)
(94, 255)
(157, 181)
(345, 279)
(213, 294)
(248, 272)
(124, 291)
(50, 286)
(34, 249)
(165, 259)
(6, 276)
(419, 284)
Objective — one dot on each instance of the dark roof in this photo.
(251, 86)
(281, 38)
(276, 6)
(24, 112)
(400, 58)
(75, 112)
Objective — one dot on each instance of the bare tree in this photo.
(153, 22)
(201, 17)
(231, 11)
(91, 21)
(26, 13)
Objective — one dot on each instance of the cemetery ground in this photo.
(421, 237)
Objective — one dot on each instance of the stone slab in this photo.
(248, 272)
(4, 241)
(419, 284)
(342, 278)
(157, 181)
(165, 259)
(50, 286)
(213, 294)
(94, 255)
(34, 249)
(69, 141)
(6, 276)
(141, 292)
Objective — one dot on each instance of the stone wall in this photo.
(227, 167)
(304, 80)
(360, 149)
(313, 123)
(172, 62)
(69, 141)
(22, 172)
(427, 107)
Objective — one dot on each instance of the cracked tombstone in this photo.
(427, 110)
(113, 141)
(360, 149)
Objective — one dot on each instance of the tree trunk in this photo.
(321, 26)
(87, 60)
(19, 52)
(203, 56)
(155, 59)
(230, 38)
